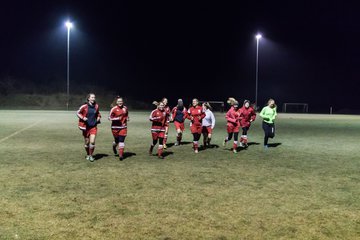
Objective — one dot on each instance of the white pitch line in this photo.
(21, 130)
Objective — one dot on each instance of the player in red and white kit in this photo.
(208, 124)
(179, 114)
(89, 117)
(233, 123)
(168, 111)
(119, 116)
(158, 117)
(247, 116)
(195, 115)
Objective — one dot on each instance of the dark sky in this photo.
(206, 49)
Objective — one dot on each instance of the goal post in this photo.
(295, 108)
(217, 106)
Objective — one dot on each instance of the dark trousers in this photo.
(245, 130)
(269, 130)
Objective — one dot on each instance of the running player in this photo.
(119, 116)
(208, 123)
(168, 111)
(233, 123)
(268, 115)
(89, 117)
(158, 117)
(247, 116)
(179, 114)
(195, 115)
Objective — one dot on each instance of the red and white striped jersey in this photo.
(195, 115)
(119, 117)
(158, 119)
(247, 115)
(233, 116)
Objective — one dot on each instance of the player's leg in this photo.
(92, 138)
(267, 130)
(155, 137)
(165, 136)
(178, 136)
(236, 136)
(196, 138)
(209, 130)
(161, 147)
(243, 139)
(121, 140)
(116, 140)
(205, 136)
(229, 136)
(86, 145)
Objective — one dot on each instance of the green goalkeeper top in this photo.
(268, 114)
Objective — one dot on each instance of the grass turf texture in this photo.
(305, 187)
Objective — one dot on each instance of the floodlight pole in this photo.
(258, 36)
(68, 25)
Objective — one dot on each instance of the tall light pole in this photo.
(258, 36)
(68, 25)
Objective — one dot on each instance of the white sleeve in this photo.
(212, 120)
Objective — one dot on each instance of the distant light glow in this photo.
(258, 36)
(68, 24)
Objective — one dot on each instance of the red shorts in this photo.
(196, 128)
(119, 132)
(157, 134)
(207, 130)
(231, 128)
(179, 125)
(89, 131)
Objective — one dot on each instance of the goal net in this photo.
(217, 106)
(295, 108)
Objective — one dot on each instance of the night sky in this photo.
(206, 49)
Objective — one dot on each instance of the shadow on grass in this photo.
(253, 143)
(202, 147)
(212, 146)
(274, 144)
(99, 156)
(169, 145)
(167, 153)
(128, 155)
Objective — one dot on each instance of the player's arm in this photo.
(253, 116)
(189, 116)
(229, 117)
(154, 118)
(202, 115)
(127, 117)
(112, 116)
(80, 113)
(264, 115)
(212, 120)
(185, 114)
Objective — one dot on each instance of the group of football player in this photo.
(201, 117)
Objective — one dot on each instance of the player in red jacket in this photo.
(89, 117)
(233, 123)
(195, 115)
(119, 116)
(158, 117)
(179, 114)
(168, 111)
(247, 116)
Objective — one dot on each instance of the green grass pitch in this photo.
(306, 187)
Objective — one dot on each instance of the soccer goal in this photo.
(217, 106)
(295, 108)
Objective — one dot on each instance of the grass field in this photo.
(306, 186)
